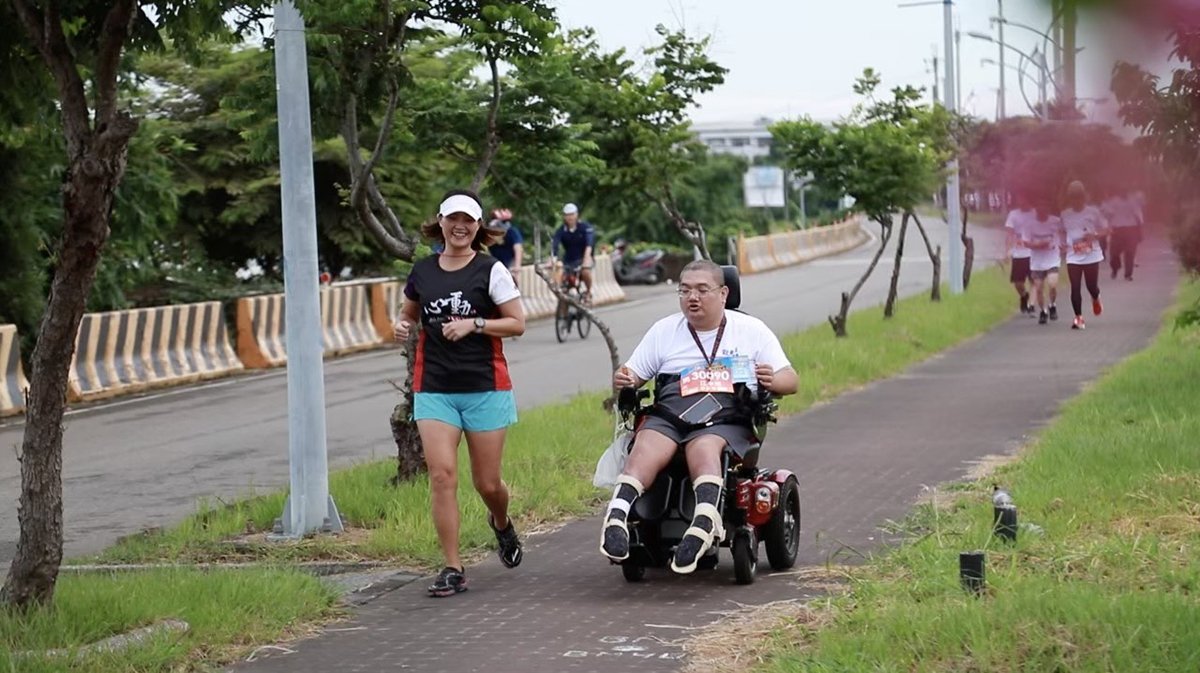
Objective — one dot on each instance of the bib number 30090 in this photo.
(715, 378)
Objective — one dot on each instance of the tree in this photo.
(887, 154)
(81, 45)
(1168, 116)
(639, 122)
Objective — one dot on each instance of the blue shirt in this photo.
(573, 242)
(503, 250)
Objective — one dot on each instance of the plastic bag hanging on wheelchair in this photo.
(612, 461)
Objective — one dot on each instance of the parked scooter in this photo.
(643, 267)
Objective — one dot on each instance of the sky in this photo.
(792, 58)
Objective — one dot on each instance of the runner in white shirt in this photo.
(1044, 237)
(1016, 223)
(1083, 226)
(1125, 215)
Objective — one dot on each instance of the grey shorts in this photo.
(1041, 275)
(738, 438)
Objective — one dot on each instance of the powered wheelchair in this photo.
(756, 504)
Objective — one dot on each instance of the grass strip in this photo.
(1110, 582)
(227, 611)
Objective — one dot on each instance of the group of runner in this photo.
(1083, 234)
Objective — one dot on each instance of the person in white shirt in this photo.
(690, 355)
(1083, 227)
(1125, 216)
(1044, 238)
(1014, 225)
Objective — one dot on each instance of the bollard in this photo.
(971, 571)
(1004, 522)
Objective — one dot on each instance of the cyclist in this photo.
(577, 239)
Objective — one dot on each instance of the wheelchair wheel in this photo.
(633, 572)
(781, 535)
(745, 557)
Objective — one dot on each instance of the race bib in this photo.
(743, 370)
(715, 378)
(1082, 247)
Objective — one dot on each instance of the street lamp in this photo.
(1022, 76)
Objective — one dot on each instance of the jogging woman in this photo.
(1044, 238)
(466, 303)
(1083, 226)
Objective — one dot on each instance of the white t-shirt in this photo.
(1047, 233)
(501, 286)
(1122, 212)
(1077, 224)
(668, 347)
(1016, 223)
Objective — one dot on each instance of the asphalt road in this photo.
(145, 461)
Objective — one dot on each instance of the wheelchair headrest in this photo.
(734, 283)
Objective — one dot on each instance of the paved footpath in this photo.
(862, 460)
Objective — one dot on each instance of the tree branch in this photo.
(117, 25)
(613, 352)
(364, 192)
(492, 145)
(47, 34)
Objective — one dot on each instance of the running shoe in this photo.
(1042, 318)
(1078, 323)
(449, 582)
(1097, 307)
(510, 545)
(1053, 312)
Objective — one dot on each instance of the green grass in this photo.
(227, 611)
(1112, 583)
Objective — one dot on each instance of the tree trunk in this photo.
(410, 453)
(839, 321)
(968, 250)
(889, 308)
(91, 182)
(935, 258)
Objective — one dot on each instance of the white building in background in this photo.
(750, 141)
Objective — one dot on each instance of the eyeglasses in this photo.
(700, 292)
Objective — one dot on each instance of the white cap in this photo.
(461, 203)
(570, 209)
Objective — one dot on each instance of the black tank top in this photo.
(473, 364)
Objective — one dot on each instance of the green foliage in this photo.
(1167, 115)
(888, 154)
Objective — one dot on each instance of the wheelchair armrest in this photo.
(629, 400)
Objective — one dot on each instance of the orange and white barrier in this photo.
(386, 299)
(347, 325)
(126, 351)
(12, 375)
(763, 253)
(536, 298)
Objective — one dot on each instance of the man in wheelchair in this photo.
(706, 362)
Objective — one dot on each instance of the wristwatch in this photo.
(480, 323)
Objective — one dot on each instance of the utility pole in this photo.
(1069, 23)
(935, 75)
(958, 69)
(953, 212)
(1000, 112)
(309, 507)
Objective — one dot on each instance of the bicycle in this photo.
(567, 316)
